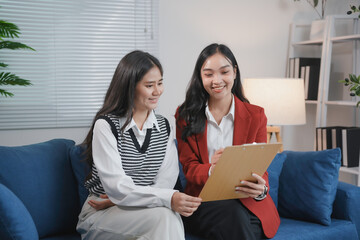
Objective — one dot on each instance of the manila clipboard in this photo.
(235, 164)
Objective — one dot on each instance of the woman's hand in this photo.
(252, 189)
(100, 205)
(215, 158)
(184, 204)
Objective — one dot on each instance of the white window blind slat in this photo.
(78, 46)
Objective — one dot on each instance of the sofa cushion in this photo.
(15, 220)
(346, 204)
(41, 176)
(300, 230)
(181, 181)
(274, 171)
(81, 169)
(308, 184)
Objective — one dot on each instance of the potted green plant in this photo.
(354, 85)
(314, 4)
(354, 9)
(10, 30)
(317, 26)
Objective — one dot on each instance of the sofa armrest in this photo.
(347, 205)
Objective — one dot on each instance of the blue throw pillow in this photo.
(40, 175)
(81, 169)
(308, 183)
(15, 220)
(274, 171)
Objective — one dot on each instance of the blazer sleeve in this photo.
(196, 170)
(261, 136)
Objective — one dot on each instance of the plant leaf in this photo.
(3, 64)
(358, 104)
(14, 45)
(8, 30)
(353, 88)
(316, 2)
(357, 92)
(353, 78)
(7, 78)
(6, 93)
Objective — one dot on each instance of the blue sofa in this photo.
(41, 194)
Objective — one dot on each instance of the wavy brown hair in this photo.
(119, 98)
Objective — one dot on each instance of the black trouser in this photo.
(224, 220)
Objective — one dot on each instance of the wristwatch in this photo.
(263, 195)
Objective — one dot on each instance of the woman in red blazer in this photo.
(214, 115)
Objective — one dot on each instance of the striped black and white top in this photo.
(141, 163)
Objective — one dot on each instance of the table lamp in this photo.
(282, 98)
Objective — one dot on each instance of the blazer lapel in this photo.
(242, 123)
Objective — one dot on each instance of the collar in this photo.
(149, 122)
(230, 114)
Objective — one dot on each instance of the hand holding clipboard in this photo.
(235, 164)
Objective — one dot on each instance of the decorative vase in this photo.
(317, 30)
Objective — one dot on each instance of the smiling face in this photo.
(148, 90)
(218, 74)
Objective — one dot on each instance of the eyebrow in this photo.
(209, 69)
(161, 79)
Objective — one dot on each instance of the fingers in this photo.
(216, 156)
(95, 204)
(104, 196)
(189, 202)
(219, 151)
(184, 204)
(259, 179)
(253, 193)
(250, 188)
(188, 210)
(99, 205)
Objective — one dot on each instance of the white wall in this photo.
(256, 30)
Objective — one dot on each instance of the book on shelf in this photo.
(343, 137)
(351, 146)
(303, 75)
(318, 139)
(336, 139)
(324, 138)
(309, 70)
(304, 61)
(313, 81)
(291, 73)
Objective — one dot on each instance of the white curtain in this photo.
(78, 46)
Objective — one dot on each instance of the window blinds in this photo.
(78, 46)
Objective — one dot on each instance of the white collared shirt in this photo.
(220, 136)
(119, 187)
(140, 134)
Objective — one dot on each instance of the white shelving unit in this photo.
(339, 48)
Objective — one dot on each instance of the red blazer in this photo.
(249, 126)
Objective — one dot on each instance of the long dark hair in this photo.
(192, 110)
(119, 98)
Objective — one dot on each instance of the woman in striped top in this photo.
(134, 161)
